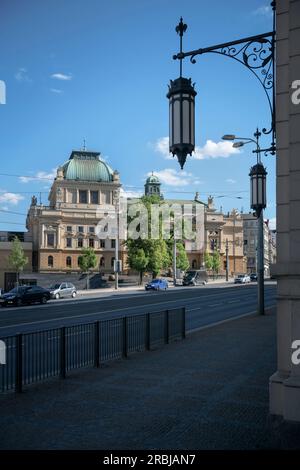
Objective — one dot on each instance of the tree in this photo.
(137, 259)
(87, 261)
(17, 257)
(216, 262)
(208, 261)
(182, 261)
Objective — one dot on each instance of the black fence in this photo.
(40, 355)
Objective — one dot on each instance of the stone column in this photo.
(285, 383)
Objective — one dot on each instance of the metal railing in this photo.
(40, 355)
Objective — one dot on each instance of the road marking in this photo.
(215, 305)
(204, 327)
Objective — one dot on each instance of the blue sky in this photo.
(98, 70)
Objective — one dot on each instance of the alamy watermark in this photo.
(296, 354)
(296, 94)
(2, 92)
(135, 220)
(2, 352)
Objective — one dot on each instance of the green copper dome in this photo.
(87, 166)
(152, 179)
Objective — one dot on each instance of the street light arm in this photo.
(257, 53)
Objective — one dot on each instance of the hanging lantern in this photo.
(258, 193)
(182, 118)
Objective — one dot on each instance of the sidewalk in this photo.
(207, 392)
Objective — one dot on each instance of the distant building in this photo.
(81, 194)
(8, 275)
(250, 224)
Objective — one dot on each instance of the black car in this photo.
(253, 277)
(23, 295)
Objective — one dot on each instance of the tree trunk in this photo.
(141, 278)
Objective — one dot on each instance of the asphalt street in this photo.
(204, 306)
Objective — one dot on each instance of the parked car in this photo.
(157, 284)
(242, 279)
(195, 277)
(64, 289)
(253, 277)
(23, 295)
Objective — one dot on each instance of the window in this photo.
(92, 229)
(113, 243)
(80, 229)
(94, 197)
(102, 243)
(102, 262)
(112, 262)
(91, 243)
(50, 261)
(69, 242)
(194, 264)
(69, 228)
(72, 196)
(105, 196)
(50, 239)
(68, 261)
(80, 242)
(82, 196)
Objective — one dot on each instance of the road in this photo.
(204, 306)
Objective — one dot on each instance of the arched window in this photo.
(112, 262)
(102, 262)
(68, 261)
(194, 264)
(50, 261)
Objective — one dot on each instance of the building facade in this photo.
(8, 275)
(82, 194)
(250, 228)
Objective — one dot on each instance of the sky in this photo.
(98, 71)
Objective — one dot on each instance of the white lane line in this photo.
(215, 305)
(194, 330)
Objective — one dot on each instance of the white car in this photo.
(242, 279)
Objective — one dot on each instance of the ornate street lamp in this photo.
(258, 176)
(181, 111)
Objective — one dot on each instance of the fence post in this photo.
(63, 352)
(166, 327)
(97, 348)
(148, 338)
(125, 345)
(19, 363)
(183, 323)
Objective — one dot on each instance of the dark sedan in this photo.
(23, 295)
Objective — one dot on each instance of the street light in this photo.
(258, 177)
(181, 97)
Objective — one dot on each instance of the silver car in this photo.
(65, 289)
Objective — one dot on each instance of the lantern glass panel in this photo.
(259, 190)
(192, 122)
(176, 122)
(171, 122)
(253, 192)
(186, 121)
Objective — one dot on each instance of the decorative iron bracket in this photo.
(257, 53)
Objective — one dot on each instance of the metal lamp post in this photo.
(181, 112)
(258, 179)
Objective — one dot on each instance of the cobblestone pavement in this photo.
(207, 392)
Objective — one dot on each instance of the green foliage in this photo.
(216, 261)
(182, 261)
(208, 261)
(17, 256)
(87, 260)
(137, 258)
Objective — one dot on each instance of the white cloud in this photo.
(211, 149)
(40, 175)
(56, 90)
(230, 181)
(264, 10)
(11, 198)
(272, 223)
(172, 177)
(127, 193)
(22, 76)
(62, 76)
